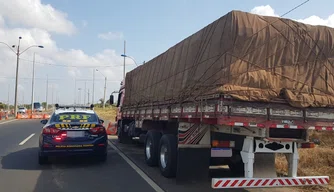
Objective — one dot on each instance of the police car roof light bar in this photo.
(74, 106)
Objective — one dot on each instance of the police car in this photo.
(73, 130)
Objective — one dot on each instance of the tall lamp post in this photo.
(32, 84)
(93, 94)
(123, 55)
(105, 89)
(18, 53)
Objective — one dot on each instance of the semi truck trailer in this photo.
(237, 92)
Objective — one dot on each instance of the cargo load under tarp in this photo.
(246, 56)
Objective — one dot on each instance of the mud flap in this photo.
(193, 164)
(194, 152)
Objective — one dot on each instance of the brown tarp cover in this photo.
(246, 56)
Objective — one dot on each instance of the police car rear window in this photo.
(74, 117)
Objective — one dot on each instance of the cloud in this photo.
(34, 14)
(267, 10)
(51, 60)
(84, 23)
(315, 20)
(111, 35)
(264, 10)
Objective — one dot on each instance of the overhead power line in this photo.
(75, 66)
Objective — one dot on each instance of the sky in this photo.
(80, 37)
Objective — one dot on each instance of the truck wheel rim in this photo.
(163, 156)
(148, 148)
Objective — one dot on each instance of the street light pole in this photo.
(47, 92)
(93, 94)
(85, 94)
(8, 97)
(17, 75)
(32, 84)
(75, 91)
(104, 94)
(124, 62)
(18, 53)
(105, 88)
(79, 100)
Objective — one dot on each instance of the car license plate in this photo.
(75, 133)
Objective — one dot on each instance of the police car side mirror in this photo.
(101, 121)
(44, 121)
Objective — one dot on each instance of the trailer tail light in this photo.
(223, 144)
(97, 130)
(307, 145)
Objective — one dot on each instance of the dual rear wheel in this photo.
(161, 150)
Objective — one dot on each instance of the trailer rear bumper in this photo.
(221, 183)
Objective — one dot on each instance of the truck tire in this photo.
(168, 155)
(123, 136)
(151, 149)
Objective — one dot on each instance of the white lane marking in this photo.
(8, 121)
(26, 139)
(137, 169)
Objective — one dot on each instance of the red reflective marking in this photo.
(265, 182)
(226, 183)
(242, 183)
(315, 181)
(245, 124)
(258, 182)
(218, 183)
(309, 181)
(288, 181)
(234, 183)
(327, 180)
(295, 181)
(274, 126)
(272, 182)
(299, 127)
(321, 181)
(281, 181)
(286, 126)
(301, 181)
(250, 182)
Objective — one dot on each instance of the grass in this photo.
(318, 161)
(107, 114)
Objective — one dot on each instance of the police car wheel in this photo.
(42, 160)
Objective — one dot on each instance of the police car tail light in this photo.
(50, 131)
(97, 130)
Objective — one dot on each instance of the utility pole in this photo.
(17, 75)
(93, 86)
(52, 93)
(104, 95)
(47, 89)
(88, 96)
(85, 91)
(75, 90)
(8, 97)
(32, 84)
(124, 62)
(79, 100)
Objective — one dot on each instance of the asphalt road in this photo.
(20, 171)
(124, 170)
